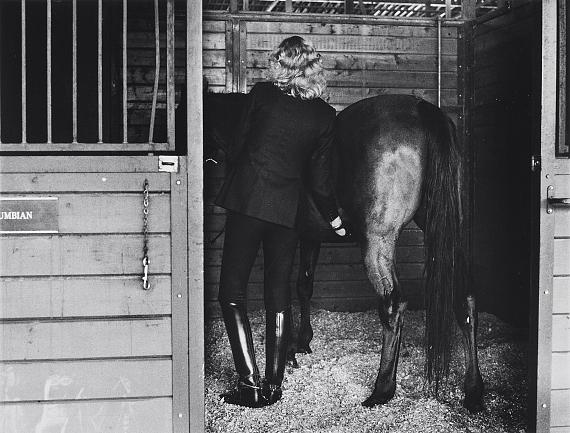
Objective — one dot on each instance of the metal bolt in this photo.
(179, 295)
(180, 415)
(544, 405)
(178, 182)
(546, 292)
(104, 179)
(548, 176)
(549, 210)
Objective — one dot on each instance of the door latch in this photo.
(552, 202)
(168, 163)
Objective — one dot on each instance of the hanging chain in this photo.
(145, 261)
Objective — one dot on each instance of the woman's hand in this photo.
(338, 227)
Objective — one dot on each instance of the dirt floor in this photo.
(325, 392)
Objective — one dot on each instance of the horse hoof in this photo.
(292, 361)
(375, 400)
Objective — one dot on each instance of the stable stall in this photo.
(88, 142)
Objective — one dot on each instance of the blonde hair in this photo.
(296, 68)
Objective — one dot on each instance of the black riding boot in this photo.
(278, 331)
(248, 390)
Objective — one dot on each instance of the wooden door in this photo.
(553, 292)
(83, 347)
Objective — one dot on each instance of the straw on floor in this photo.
(325, 392)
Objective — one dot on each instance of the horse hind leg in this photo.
(381, 272)
(466, 315)
(309, 254)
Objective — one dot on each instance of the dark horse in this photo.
(398, 160)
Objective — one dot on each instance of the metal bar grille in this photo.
(79, 75)
(23, 82)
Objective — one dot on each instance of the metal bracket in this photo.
(534, 163)
(168, 163)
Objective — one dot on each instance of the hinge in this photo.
(168, 163)
(534, 163)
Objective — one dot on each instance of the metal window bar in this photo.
(23, 82)
(170, 75)
(125, 91)
(156, 72)
(100, 71)
(74, 72)
(439, 61)
(48, 72)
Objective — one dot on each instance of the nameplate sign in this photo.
(29, 215)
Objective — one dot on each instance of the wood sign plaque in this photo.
(21, 215)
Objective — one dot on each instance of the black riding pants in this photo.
(243, 236)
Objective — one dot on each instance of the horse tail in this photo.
(446, 262)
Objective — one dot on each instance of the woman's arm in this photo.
(322, 179)
(243, 126)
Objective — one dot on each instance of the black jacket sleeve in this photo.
(321, 173)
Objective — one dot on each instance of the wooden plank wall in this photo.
(82, 346)
(560, 394)
(503, 130)
(362, 60)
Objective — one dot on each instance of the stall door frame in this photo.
(195, 220)
(548, 407)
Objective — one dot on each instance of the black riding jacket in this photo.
(282, 148)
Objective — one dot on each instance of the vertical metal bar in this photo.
(74, 78)
(23, 83)
(170, 75)
(439, 61)
(100, 71)
(245, 5)
(48, 71)
(125, 119)
(289, 6)
(448, 9)
(156, 72)
(233, 6)
(1, 20)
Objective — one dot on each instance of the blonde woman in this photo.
(284, 137)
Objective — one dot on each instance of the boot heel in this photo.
(271, 393)
(246, 395)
